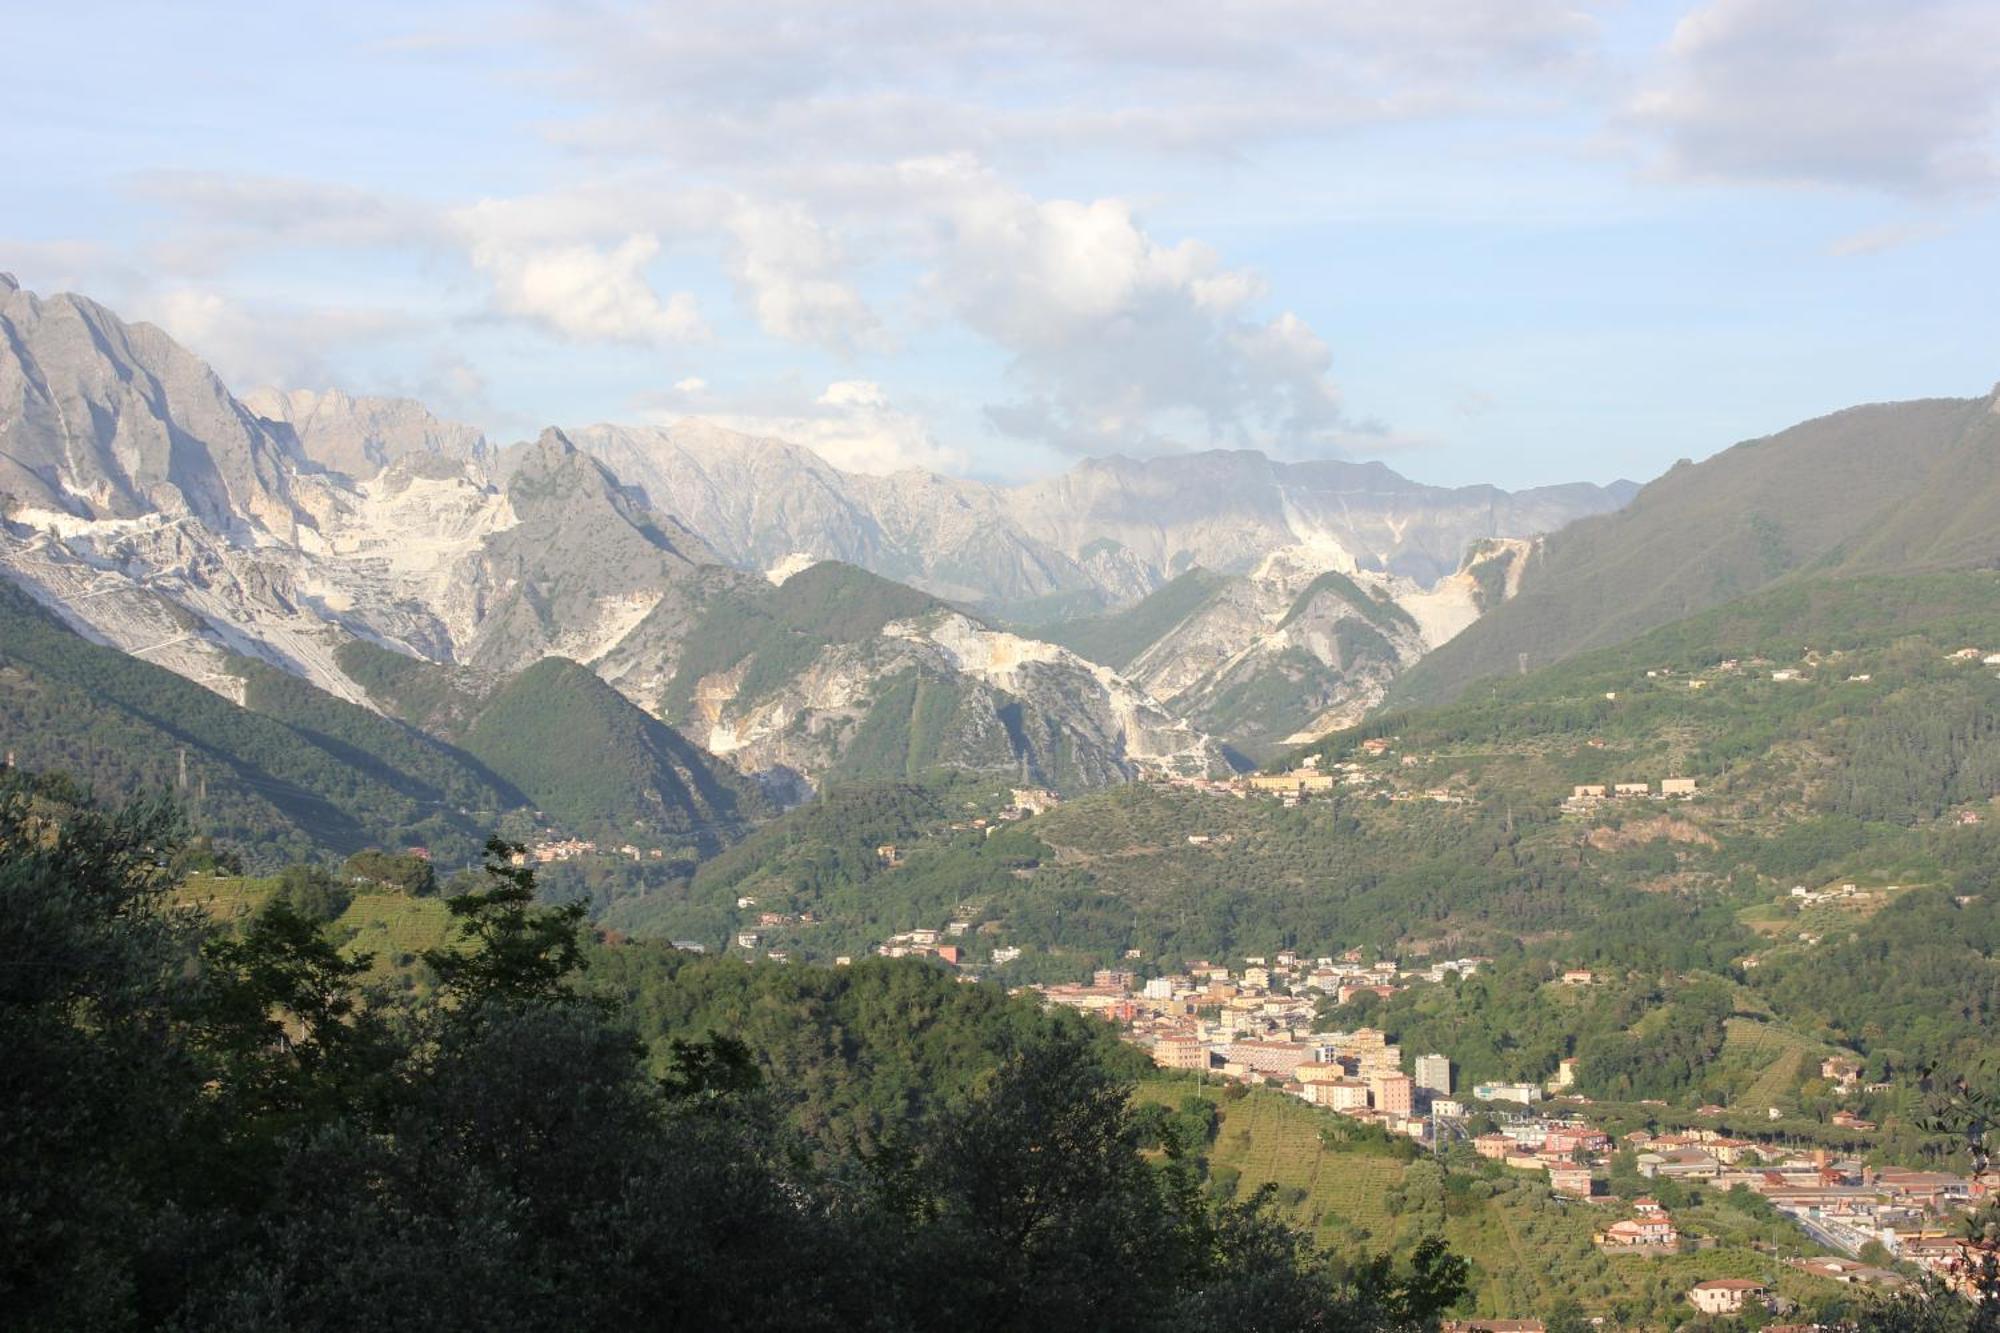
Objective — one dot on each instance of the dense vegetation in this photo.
(1117, 638)
(297, 771)
(224, 1128)
(1888, 489)
(780, 629)
(593, 761)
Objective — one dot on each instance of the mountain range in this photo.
(791, 621)
(1882, 489)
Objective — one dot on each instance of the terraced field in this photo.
(1778, 1056)
(1274, 1139)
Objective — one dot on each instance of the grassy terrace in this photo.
(1527, 1248)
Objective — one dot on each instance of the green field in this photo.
(391, 927)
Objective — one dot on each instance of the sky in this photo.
(1510, 241)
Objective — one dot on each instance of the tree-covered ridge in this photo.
(594, 761)
(297, 770)
(224, 1128)
(780, 629)
(1117, 638)
(1881, 490)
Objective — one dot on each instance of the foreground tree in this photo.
(212, 1128)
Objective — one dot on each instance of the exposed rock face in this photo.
(358, 437)
(158, 514)
(104, 420)
(942, 690)
(760, 501)
(183, 527)
(1227, 510)
(1108, 531)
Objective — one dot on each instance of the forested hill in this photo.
(216, 1124)
(297, 773)
(1837, 732)
(1883, 489)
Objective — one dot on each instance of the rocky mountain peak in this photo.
(100, 419)
(359, 436)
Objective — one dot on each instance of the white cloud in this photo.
(787, 269)
(588, 292)
(853, 425)
(692, 385)
(800, 81)
(1119, 341)
(263, 344)
(1898, 97)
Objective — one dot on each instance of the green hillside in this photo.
(573, 746)
(1359, 1194)
(780, 629)
(584, 754)
(1884, 489)
(1878, 765)
(296, 771)
(1117, 638)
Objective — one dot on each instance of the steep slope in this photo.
(359, 436)
(583, 753)
(574, 747)
(297, 771)
(584, 561)
(1109, 531)
(836, 671)
(762, 500)
(1300, 645)
(1116, 638)
(1873, 489)
(104, 420)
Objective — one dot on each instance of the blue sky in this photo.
(1510, 240)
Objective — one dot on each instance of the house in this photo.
(1573, 1180)
(1724, 1295)
(1579, 976)
(1632, 789)
(1493, 1326)
(1035, 800)
(1677, 787)
(1180, 1051)
(1507, 1092)
(1588, 791)
(1340, 1094)
(950, 953)
(1637, 1233)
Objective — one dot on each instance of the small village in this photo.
(1255, 1026)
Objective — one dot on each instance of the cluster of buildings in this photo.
(545, 850)
(1589, 795)
(1313, 777)
(1806, 897)
(1256, 1025)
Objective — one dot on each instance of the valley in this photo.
(1243, 762)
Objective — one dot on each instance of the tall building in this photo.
(1394, 1093)
(1434, 1074)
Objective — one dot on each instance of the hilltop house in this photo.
(1724, 1295)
